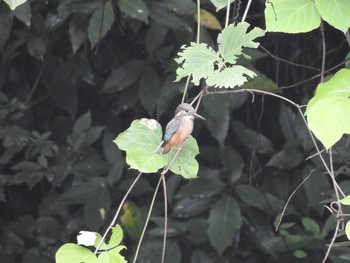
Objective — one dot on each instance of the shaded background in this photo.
(74, 74)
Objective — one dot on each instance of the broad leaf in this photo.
(77, 31)
(24, 13)
(75, 254)
(295, 16)
(234, 38)
(328, 112)
(185, 163)
(224, 223)
(132, 220)
(286, 158)
(149, 89)
(335, 12)
(136, 9)
(123, 76)
(196, 59)
(230, 77)
(14, 3)
(100, 22)
(140, 142)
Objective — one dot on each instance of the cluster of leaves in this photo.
(65, 95)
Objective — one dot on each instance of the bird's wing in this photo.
(170, 129)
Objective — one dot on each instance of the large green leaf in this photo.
(75, 254)
(100, 22)
(328, 112)
(136, 9)
(291, 16)
(224, 223)
(196, 59)
(140, 142)
(233, 38)
(230, 77)
(335, 12)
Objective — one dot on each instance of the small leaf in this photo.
(311, 225)
(140, 142)
(116, 237)
(233, 38)
(219, 4)
(208, 20)
(347, 229)
(136, 9)
(196, 59)
(36, 47)
(24, 13)
(335, 12)
(132, 220)
(230, 77)
(102, 15)
(300, 254)
(345, 200)
(224, 223)
(123, 76)
(252, 139)
(74, 253)
(295, 16)
(82, 124)
(14, 3)
(77, 31)
(286, 159)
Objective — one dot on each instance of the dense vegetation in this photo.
(74, 74)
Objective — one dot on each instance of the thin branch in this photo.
(246, 10)
(323, 39)
(165, 217)
(117, 213)
(227, 12)
(332, 242)
(147, 219)
(287, 61)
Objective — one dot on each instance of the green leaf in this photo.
(74, 253)
(347, 229)
(82, 124)
(233, 38)
(230, 77)
(219, 4)
(224, 223)
(252, 139)
(328, 112)
(140, 141)
(311, 225)
(286, 158)
(116, 238)
(185, 163)
(77, 31)
(300, 254)
(196, 59)
(102, 15)
(112, 256)
(345, 200)
(295, 16)
(132, 220)
(335, 12)
(24, 13)
(123, 76)
(36, 47)
(149, 89)
(14, 3)
(136, 9)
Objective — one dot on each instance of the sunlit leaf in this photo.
(345, 200)
(347, 229)
(328, 112)
(140, 142)
(208, 20)
(219, 4)
(14, 3)
(295, 16)
(86, 238)
(75, 254)
(234, 37)
(196, 59)
(335, 12)
(230, 77)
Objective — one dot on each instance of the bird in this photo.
(180, 127)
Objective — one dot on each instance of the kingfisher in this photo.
(180, 127)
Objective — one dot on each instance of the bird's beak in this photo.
(198, 116)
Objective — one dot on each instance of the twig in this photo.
(332, 242)
(323, 66)
(246, 10)
(117, 213)
(227, 12)
(165, 217)
(147, 219)
(198, 19)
